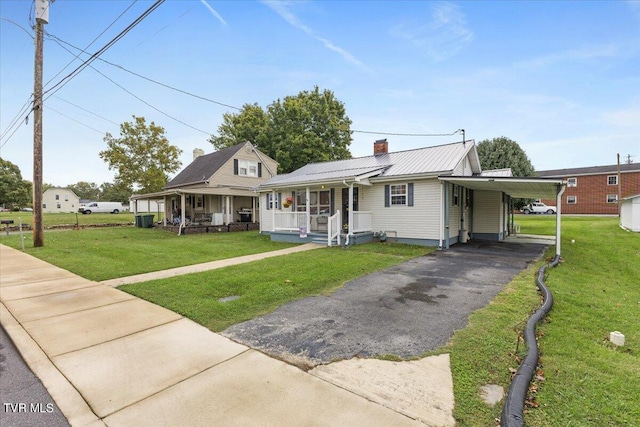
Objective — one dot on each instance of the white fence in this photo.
(289, 221)
(362, 221)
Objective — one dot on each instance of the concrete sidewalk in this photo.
(109, 358)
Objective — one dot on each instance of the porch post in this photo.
(273, 210)
(351, 209)
(182, 209)
(308, 222)
(441, 214)
(164, 206)
(446, 215)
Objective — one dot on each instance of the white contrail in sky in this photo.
(214, 12)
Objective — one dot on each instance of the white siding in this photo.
(420, 221)
(630, 213)
(487, 211)
(66, 201)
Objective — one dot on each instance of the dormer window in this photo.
(247, 168)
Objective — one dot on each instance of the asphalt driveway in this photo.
(404, 310)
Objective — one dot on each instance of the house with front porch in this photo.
(434, 196)
(215, 189)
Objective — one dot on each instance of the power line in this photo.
(72, 119)
(93, 57)
(407, 134)
(58, 40)
(92, 42)
(84, 109)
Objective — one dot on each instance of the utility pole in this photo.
(42, 17)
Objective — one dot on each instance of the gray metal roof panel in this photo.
(590, 170)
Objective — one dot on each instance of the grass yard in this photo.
(587, 380)
(265, 285)
(72, 218)
(111, 252)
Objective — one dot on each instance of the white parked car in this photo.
(538, 207)
(101, 207)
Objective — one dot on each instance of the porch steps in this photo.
(323, 241)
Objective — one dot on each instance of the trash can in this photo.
(138, 221)
(146, 221)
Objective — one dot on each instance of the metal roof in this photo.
(590, 170)
(497, 172)
(429, 160)
(528, 188)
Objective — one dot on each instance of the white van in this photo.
(101, 207)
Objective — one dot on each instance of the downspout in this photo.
(441, 215)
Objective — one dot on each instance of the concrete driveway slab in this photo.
(45, 287)
(405, 310)
(118, 373)
(253, 389)
(59, 303)
(74, 331)
(421, 389)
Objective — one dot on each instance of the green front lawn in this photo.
(265, 285)
(111, 252)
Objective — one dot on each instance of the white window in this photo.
(57, 197)
(272, 201)
(612, 198)
(66, 197)
(612, 180)
(398, 194)
(58, 205)
(247, 168)
(572, 182)
(319, 202)
(456, 194)
(572, 200)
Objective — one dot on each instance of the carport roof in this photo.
(520, 187)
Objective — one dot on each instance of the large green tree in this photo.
(142, 156)
(85, 190)
(503, 152)
(14, 191)
(309, 127)
(115, 192)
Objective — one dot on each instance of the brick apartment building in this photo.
(596, 189)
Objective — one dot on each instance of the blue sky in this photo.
(560, 78)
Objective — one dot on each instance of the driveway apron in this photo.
(405, 310)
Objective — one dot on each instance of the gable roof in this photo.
(436, 160)
(590, 170)
(204, 166)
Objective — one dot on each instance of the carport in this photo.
(516, 187)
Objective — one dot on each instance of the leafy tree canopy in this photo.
(502, 152)
(14, 191)
(309, 127)
(115, 192)
(85, 190)
(142, 156)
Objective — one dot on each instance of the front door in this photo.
(345, 205)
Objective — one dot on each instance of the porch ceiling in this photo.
(530, 188)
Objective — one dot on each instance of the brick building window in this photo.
(612, 198)
(572, 182)
(572, 200)
(612, 180)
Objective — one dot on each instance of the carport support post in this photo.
(561, 189)
(446, 215)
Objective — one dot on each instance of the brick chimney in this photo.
(380, 146)
(197, 152)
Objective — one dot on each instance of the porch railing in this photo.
(290, 221)
(333, 229)
(362, 221)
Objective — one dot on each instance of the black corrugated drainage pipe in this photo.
(513, 410)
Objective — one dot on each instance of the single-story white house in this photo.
(435, 196)
(630, 213)
(56, 199)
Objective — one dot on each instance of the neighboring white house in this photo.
(630, 213)
(433, 196)
(56, 199)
